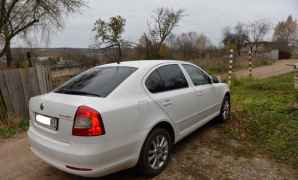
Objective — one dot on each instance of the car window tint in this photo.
(197, 76)
(100, 81)
(154, 82)
(166, 78)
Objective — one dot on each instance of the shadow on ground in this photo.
(131, 174)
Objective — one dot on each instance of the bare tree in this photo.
(171, 41)
(161, 26)
(186, 43)
(287, 31)
(21, 16)
(110, 33)
(143, 46)
(189, 45)
(236, 38)
(202, 44)
(257, 31)
(242, 37)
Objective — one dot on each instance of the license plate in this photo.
(46, 121)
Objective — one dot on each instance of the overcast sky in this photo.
(203, 16)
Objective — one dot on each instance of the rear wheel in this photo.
(225, 112)
(155, 153)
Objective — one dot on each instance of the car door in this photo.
(205, 92)
(168, 87)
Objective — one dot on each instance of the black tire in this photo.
(144, 166)
(225, 111)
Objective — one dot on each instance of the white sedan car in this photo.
(117, 116)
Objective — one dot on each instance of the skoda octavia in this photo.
(117, 116)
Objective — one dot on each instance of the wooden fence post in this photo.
(231, 66)
(29, 59)
(250, 63)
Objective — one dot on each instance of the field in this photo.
(221, 65)
(266, 114)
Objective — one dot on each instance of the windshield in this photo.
(97, 82)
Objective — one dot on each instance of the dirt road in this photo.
(207, 154)
(278, 68)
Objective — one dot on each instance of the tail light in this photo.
(87, 122)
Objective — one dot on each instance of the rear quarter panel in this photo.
(152, 115)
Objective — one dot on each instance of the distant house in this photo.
(295, 52)
(270, 50)
(42, 58)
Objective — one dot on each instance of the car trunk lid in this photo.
(61, 107)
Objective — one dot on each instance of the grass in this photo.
(266, 114)
(10, 128)
(220, 66)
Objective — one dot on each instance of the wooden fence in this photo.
(17, 86)
(59, 76)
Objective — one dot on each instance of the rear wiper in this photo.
(75, 92)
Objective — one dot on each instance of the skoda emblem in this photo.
(41, 106)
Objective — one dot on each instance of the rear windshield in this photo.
(97, 82)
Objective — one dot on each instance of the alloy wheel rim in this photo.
(158, 152)
(226, 110)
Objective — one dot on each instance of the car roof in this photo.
(144, 63)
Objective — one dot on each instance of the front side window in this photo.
(166, 78)
(98, 81)
(197, 76)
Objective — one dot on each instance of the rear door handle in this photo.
(200, 93)
(166, 103)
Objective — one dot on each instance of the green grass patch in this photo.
(267, 111)
(7, 132)
(10, 129)
(24, 125)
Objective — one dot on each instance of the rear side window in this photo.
(166, 78)
(197, 76)
(99, 81)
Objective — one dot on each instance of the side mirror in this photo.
(216, 79)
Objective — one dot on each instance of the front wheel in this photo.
(155, 153)
(225, 112)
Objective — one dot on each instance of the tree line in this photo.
(160, 41)
(285, 34)
(19, 18)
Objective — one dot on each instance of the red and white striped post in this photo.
(295, 66)
(250, 63)
(296, 76)
(231, 66)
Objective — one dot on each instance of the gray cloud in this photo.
(206, 16)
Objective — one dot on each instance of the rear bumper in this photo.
(98, 159)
